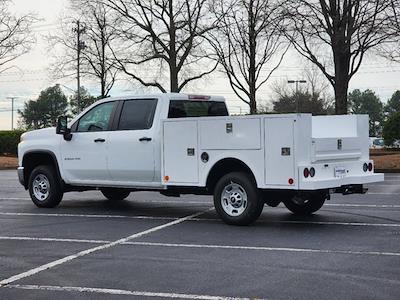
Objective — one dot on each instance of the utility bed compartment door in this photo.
(279, 151)
(180, 152)
(231, 134)
(339, 138)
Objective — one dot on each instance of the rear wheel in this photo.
(237, 199)
(305, 204)
(114, 194)
(44, 187)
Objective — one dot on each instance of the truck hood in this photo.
(39, 133)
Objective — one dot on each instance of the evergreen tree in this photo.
(44, 112)
(367, 102)
(86, 100)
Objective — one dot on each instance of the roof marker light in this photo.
(199, 97)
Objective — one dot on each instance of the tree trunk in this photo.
(342, 66)
(173, 69)
(252, 59)
(341, 90)
(174, 78)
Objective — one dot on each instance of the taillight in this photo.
(306, 172)
(370, 167)
(365, 167)
(312, 172)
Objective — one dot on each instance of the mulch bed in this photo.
(8, 162)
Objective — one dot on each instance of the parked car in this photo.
(376, 143)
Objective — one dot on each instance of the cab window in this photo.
(97, 119)
(187, 109)
(137, 114)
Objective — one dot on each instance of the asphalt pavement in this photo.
(151, 246)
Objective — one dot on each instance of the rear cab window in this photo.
(191, 108)
(137, 114)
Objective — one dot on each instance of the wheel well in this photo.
(33, 159)
(224, 167)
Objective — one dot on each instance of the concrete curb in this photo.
(387, 170)
(8, 168)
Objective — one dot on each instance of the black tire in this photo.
(306, 204)
(44, 187)
(247, 213)
(114, 194)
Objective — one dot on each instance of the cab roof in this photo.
(170, 96)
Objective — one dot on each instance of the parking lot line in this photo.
(372, 193)
(86, 216)
(334, 223)
(95, 249)
(199, 219)
(363, 205)
(207, 246)
(25, 238)
(122, 292)
(304, 250)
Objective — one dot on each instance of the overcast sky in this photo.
(30, 75)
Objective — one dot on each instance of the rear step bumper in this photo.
(349, 189)
(338, 183)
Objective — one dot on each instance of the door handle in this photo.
(99, 140)
(145, 139)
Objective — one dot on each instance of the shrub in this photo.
(9, 141)
(391, 130)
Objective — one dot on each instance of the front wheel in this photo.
(305, 204)
(114, 194)
(44, 187)
(237, 199)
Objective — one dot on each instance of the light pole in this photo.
(80, 45)
(12, 111)
(297, 91)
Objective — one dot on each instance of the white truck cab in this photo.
(179, 144)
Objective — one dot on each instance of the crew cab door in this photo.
(134, 145)
(84, 157)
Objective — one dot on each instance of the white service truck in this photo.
(188, 144)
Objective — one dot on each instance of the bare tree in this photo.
(335, 35)
(15, 35)
(98, 33)
(247, 40)
(391, 50)
(163, 39)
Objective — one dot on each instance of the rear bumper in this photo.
(339, 182)
(21, 176)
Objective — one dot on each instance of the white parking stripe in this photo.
(95, 249)
(25, 238)
(87, 216)
(260, 248)
(122, 292)
(304, 250)
(334, 223)
(373, 193)
(363, 205)
(202, 219)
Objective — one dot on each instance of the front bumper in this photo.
(21, 176)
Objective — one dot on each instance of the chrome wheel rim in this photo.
(41, 187)
(234, 199)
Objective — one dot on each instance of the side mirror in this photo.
(62, 128)
(62, 125)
